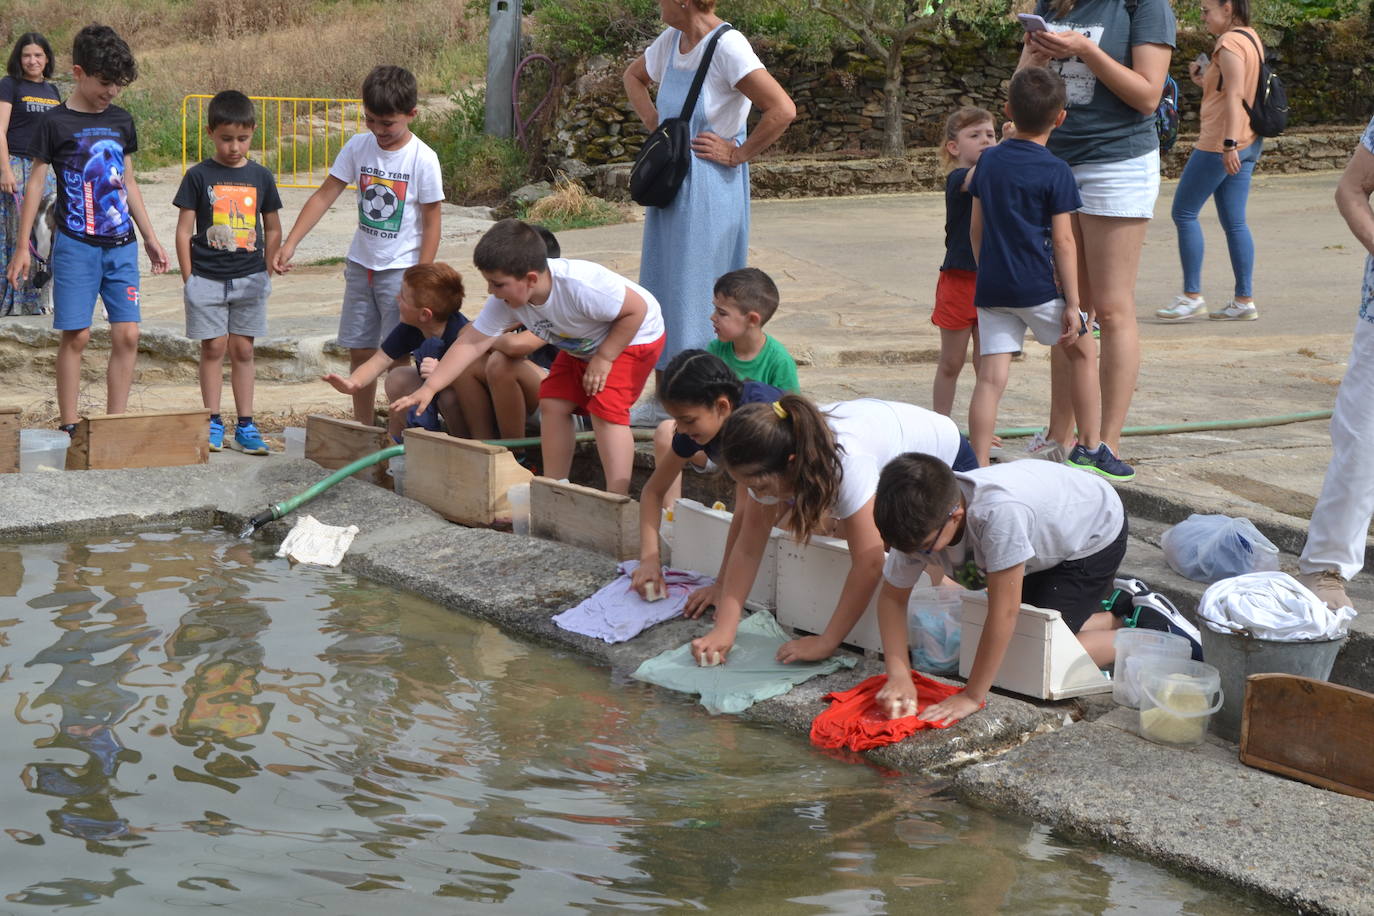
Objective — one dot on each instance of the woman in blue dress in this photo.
(704, 232)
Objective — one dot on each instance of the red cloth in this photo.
(855, 721)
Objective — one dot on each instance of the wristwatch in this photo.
(1228, 143)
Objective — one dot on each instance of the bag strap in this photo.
(1221, 77)
(691, 101)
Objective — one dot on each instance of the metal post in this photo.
(503, 51)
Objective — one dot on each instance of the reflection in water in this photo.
(248, 736)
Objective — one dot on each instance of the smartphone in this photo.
(1202, 60)
(1032, 23)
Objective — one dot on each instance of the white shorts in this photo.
(1126, 189)
(1003, 329)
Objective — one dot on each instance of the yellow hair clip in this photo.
(779, 410)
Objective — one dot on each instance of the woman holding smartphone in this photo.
(1113, 57)
(1221, 163)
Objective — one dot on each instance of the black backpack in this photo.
(1269, 114)
(666, 156)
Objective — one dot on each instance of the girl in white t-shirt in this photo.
(815, 469)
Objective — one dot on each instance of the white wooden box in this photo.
(810, 579)
(699, 535)
(1044, 659)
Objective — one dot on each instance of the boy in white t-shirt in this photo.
(400, 187)
(608, 330)
(1031, 531)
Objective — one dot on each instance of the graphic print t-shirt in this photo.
(391, 186)
(29, 102)
(87, 153)
(229, 203)
(585, 298)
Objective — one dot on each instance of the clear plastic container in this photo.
(934, 627)
(295, 441)
(519, 498)
(1177, 700)
(43, 450)
(396, 470)
(665, 538)
(1157, 643)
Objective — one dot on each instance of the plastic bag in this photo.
(1207, 548)
(934, 626)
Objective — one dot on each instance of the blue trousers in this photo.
(1205, 176)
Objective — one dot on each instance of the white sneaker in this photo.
(1236, 311)
(1043, 447)
(1182, 308)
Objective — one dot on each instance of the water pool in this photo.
(195, 724)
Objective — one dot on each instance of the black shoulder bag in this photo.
(664, 159)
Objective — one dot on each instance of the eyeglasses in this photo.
(934, 538)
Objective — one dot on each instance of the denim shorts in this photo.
(369, 305)
(81, 272)
(1126, 189)
(218, 307)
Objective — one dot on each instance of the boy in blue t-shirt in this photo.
(90, 142)
(1022, 234)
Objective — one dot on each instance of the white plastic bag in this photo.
(934, 626)
(1207, 548)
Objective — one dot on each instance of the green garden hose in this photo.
(287, 506)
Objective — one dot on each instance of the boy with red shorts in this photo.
(608, 330)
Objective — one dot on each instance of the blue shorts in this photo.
(80, 272)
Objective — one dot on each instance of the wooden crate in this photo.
(333, 444)
(605, 522)
(699, 537)
(1309, 730)
(9, 440)
(810, 579)
(140, 440)
(463, 480)
(1044, 659)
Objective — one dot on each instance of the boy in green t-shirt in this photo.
(745, 300)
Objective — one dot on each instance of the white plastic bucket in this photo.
(519, 498)
(1177, 700)
(295, 441)
(934, 627)
(43, 450)
(1130, 640)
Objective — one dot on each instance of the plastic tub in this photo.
(1130, 640)
(1237, 657)
(1177, 700)
(934, 627)
(43, 450)
(519, 498)
(295, 441)
(396, 470)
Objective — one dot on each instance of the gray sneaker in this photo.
(1182, 308)
(1236, 311)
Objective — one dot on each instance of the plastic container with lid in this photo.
(519, 498)
(1177, 700)
(295, 441)
(43, 450)
(1154, 643)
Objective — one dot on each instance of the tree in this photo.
(884, 29)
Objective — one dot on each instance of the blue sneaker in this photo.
(216, 435)
(248, 440)
(1100, 461)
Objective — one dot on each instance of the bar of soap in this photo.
(710, 659)
(653, 593)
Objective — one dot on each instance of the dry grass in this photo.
(571, 207)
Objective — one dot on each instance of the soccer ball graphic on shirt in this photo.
(381, 203)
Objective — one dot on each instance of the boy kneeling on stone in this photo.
(1031, 531)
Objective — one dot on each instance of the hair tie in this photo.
(779, 410)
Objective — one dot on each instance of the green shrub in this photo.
(477, 168)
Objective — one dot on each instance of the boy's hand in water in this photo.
(646, 575)
(897, 698)
(701, 600)
(806, 649)
(712, 648)
(949, 711)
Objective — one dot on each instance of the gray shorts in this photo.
(1003, 329)
(218, 307)
(369, 305)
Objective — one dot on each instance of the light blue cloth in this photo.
(702, 234)
(751, 671)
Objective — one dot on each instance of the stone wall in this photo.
(1324, 64)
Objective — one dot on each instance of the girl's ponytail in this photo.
(698, 378)
(790, 438)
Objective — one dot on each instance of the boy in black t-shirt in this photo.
(89, 142)
(228, 231)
